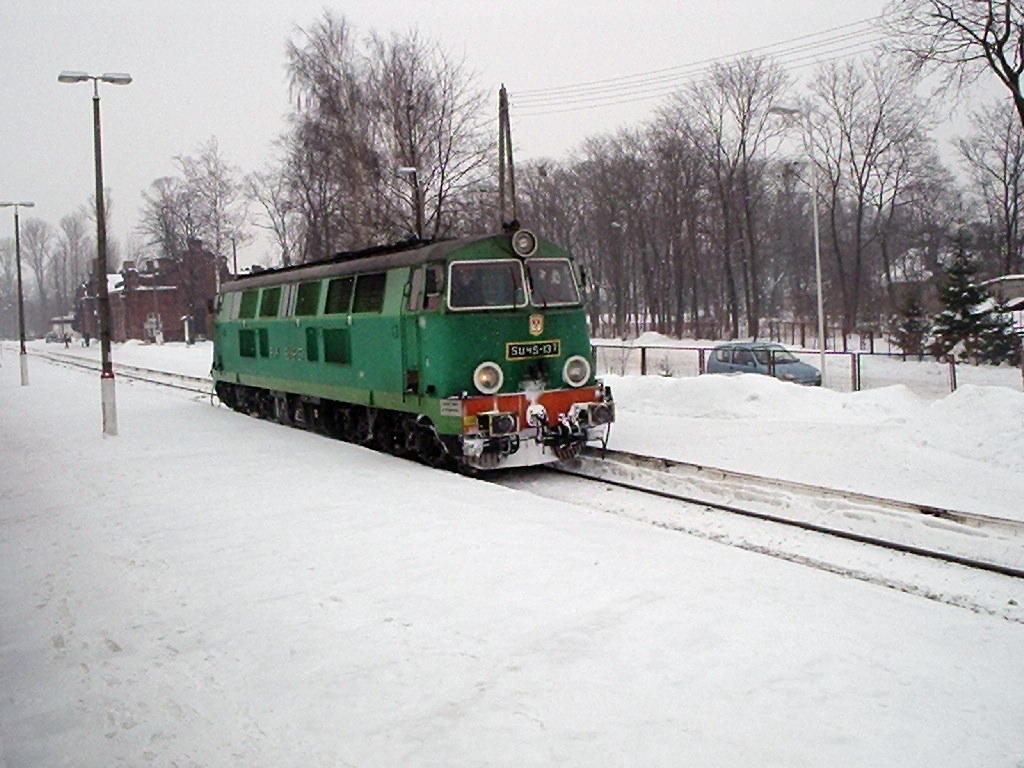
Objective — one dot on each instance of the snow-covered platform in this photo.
(208, 589)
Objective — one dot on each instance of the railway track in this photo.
(199, 384)
(806, 506)
(794, 504)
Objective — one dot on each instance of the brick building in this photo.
(155, 295)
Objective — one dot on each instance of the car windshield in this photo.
(552, 282)
(780, 355)
(486, 284)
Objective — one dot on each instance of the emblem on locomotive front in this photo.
(536, 325)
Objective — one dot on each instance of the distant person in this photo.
(85, 339)
(67, 340)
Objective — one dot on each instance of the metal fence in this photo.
(848, 371)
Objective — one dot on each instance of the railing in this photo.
(844, 371)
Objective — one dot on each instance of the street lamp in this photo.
(417, 204)
(788, 113)
(23, 355)
(107, 402)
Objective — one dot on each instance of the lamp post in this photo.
(23, 355)
(107, 401)
(417, 204)
(790, 113)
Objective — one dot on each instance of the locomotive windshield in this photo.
(486, 285)
(551, 282)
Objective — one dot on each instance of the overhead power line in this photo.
(827, 45)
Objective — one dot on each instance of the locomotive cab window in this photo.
(486, 285)
(552, 282)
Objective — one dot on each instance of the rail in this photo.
(666, 478)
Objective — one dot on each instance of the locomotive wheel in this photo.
(361, 425)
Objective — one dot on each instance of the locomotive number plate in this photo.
(524, 350)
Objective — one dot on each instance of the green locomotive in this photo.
(468, 352)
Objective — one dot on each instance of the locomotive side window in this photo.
(416, 290)
(250, 300)
(307, 301)
(339, 296)
(369, 293)
(228, 309)
(247, 342)
(433, 287)
(486, 285)
(337, 346)
(288, 300)
(552, 282)
(270, 302)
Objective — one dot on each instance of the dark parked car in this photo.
(762, 357)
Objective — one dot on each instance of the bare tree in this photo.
(868, 118)
(279, 214)
(963, 39)
(330, 157)
(170, 216)
(428, 117)
(70, 258)
(361, 113)
(994, 156)
(215, 192)
(728, 120)
(8, 289)
(37, 251)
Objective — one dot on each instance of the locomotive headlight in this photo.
(488, 377)
(524, 243)
(576, 371)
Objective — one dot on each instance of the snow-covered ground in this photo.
(207, 589)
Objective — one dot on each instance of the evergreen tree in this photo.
(971, 325)
(911, 327)
(959, 326)
(999, 343)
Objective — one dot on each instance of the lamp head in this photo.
(117, 78)
(72, 77)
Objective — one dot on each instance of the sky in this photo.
(205, 70)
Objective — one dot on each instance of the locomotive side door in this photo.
(423, 297)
